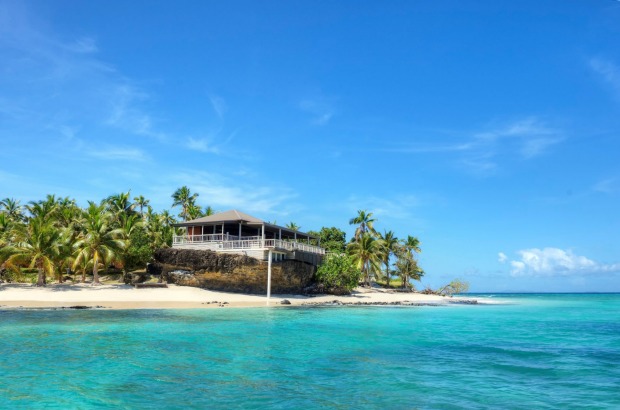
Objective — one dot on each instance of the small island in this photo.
(120, 253)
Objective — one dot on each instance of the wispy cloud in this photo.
(202, 145)
(212, 144)
(219, 105)
(607, 186)
(83, 45)
(118, 154)
(320, 109)
(555, 262)
(55, 81)
(480, 151)
(609, 73)
(225, 192)
(125, 113)
(397, 207)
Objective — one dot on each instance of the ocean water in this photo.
(536, 352)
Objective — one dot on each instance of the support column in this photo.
(268, 276)
(263, 236)
(239, 230)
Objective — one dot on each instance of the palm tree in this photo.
(120, 203)
(293, 226)
(83, 265)
(167, 219)
(45, 209)
(407, 266)
(5, 225)
(12, 209)
(142, 202)
(412, 244)
(184, 198)
(155, 232)
(36, 247)
(366, 223)
(129, 225)
(390, 243)
(367, 252)
(194, 212)
(99, 240)
(208, 211)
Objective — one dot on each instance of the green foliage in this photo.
(365, 223)
(407, 267)
(339, 274)
(367, 252)
(332, 239)
(293, 226)
(139, 252)
(456, 286)
(390, 245)
(184, 198)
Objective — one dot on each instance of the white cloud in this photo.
(556, 262)
(501, 257)
(531, 135)
(202, 145)
(609, 72)
(57, 81)
(124, 100)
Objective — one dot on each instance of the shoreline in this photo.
(119, 296)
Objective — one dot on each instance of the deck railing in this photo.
(231, 242)
(216, 237)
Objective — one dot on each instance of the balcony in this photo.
(226, 242)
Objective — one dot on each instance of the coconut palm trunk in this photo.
(96, 270)
(41, 275)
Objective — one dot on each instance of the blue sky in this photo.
(490, 130)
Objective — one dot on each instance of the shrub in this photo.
(338, 274)
(456, 286)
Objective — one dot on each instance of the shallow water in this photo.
(540, 351)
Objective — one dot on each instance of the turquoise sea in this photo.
(543, 351)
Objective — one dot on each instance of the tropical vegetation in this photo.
(54, 237)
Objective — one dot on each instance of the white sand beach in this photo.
(117, 296)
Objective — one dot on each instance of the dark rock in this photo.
(285, 302)
(138, 278)
(463, 301)
(229, 272)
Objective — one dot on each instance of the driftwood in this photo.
(150, 285)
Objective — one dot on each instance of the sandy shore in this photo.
(182, 297)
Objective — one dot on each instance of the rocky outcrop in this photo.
(229, 272)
